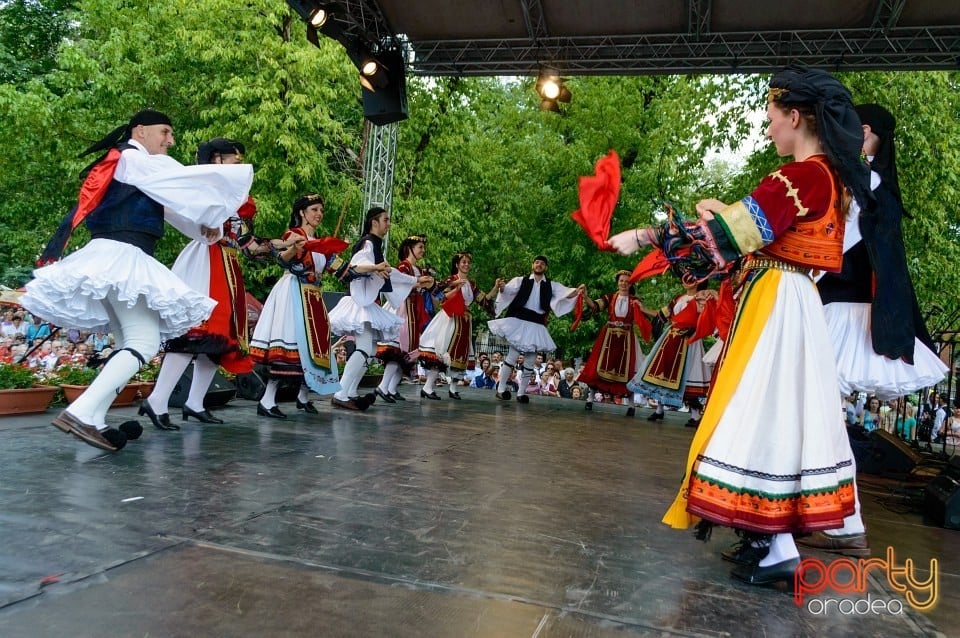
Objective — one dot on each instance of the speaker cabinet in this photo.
(941, 502)
(887, 454)
(389, 103)
(221, 390)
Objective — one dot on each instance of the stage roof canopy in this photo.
(624, 37)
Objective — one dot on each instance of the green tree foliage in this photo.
(30, 33)
(479, 166)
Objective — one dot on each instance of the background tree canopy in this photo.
(479, 166)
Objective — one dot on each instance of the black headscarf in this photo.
(838, 124)
(146, 117)
(219, 145)
(884, 125)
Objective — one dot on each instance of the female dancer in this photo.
(674, 371)
(616, 353)
(772, 456)
(400, 356)
(292, 336)
(447, 342)
(213, 270)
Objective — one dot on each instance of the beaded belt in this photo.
(776, 264)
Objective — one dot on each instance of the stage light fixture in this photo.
(550, 87)
(318, 17)
(369, 67)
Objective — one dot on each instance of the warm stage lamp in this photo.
(550, 89)
(369, 67)
(319, 17)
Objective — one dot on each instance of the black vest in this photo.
(517, 309)
(127, 214)
(377, 243)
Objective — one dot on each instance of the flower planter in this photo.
(126, 396)
(146, 387)
(26, 401)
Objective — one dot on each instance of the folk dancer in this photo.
(447, 342)
(400, 356)
(771, 457)
(528, 302)
(114, 279)
(359, 315)
(292, 336)
(211, 269)
(616, 353)
(674, 372)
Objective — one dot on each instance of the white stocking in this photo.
(391, 371)
(782, 547)
(431, 381)
(172, 368)
(356, 365)
(395, 380)
(269, 398)
(302, 393)
(140, 327)
(203, 372)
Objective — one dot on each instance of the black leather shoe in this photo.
(692, 423)
(385, 396)
(782, 572)
(160, 421)
(344, 405)
(432, 396)
(504, 396)
(746, 553)
(203, 417)
(522, 398)
(396, 396)
(656, 416)
(631, 411)
(588, 406)
(453, 395)
(307, 407)
(273, 413)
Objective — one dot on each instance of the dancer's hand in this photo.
(627, 242)
(210, 234)
(707, 207)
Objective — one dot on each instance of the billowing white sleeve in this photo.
(507, 295)
(192, 196)
(402, 284)
(562, 302)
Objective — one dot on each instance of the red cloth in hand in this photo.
(598, 195)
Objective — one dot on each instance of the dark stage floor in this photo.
(469, 518)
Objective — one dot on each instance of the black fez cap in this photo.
(220, 145)
(542, 258)
(146, 117)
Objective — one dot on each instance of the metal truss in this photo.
(883, 47)
(381, 147)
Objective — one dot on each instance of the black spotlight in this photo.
(385, 92)
(551, 89)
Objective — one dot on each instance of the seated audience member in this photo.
(567, 383)
(484, 379)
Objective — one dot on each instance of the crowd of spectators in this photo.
(31, 341)
(933, 421)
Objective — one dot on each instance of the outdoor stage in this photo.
(469, 518)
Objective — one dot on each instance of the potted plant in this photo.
(74, 379)
(19, 391)
(147, 377)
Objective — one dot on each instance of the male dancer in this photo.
(114, 279)
(359, 315)
(528, 302)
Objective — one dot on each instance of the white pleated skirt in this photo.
(359, 310)
(276, 328)
(525, 336)
(862, 370)
(70, 292)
